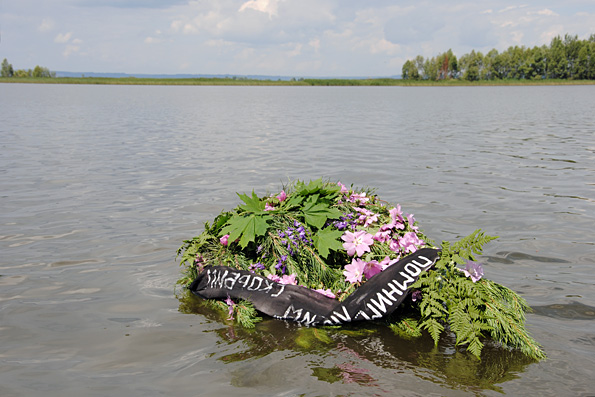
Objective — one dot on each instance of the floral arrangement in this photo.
(333, 239)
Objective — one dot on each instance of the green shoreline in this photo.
(303, 82)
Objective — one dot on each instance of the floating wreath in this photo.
(320, 253)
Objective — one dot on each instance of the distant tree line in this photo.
(565, 58)
(38, 71)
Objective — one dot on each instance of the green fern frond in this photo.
(246, 314)
(407, 328)
(434, 328)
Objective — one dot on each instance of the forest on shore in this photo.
(565, 58)
(38, 71)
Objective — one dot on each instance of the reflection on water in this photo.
(354, 349)
(512, 257)
(571, 311)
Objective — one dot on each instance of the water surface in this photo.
(100, 185)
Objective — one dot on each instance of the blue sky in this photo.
(301, 38)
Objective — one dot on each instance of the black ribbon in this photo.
(376, 298)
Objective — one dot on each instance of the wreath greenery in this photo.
(332, 239)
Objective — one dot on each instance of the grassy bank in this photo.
(304, 82)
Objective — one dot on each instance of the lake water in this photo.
(100, 185)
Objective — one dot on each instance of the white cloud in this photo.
(551, 32)
(70, 49)
(547, 12)
(384, 46)
(176, 25)
(218, 43)
(517, 37)
(315, 44)
(269, 7)
(63, 37)
(297, 50)
(510, 8)
(47, 25)
(190, 29)
(152, 40)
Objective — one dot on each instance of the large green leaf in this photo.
(316, 214)
(327, 239)
(253, 203)
(246, 228)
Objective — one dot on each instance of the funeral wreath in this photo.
(322, 254)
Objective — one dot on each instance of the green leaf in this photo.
(316, 214)
(253, 203)
(293, 201)
(246, 228)
(257, 226)
(327, 239)
(312, 187)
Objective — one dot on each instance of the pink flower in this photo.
(268, 207)
(231, 305)
(343, 188)
(411, 221)
(358, 242)
(395, 220)
(282, 196)
(394, 245)
(358, 197)
(367, 217)
(382, 236)
(410, 242)
(274, 277)
(386, 262)
(326, 292)
(354, 272)
(371, 269)
(223, 240)
(291, 279)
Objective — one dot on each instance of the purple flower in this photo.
(473, 270)
(256, 266)
(224, 240)
(415, 296)
(268, 207)
(281, 264)
(341, 225)
(354, 272)
(358, 242)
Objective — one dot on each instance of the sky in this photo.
(299, 38)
